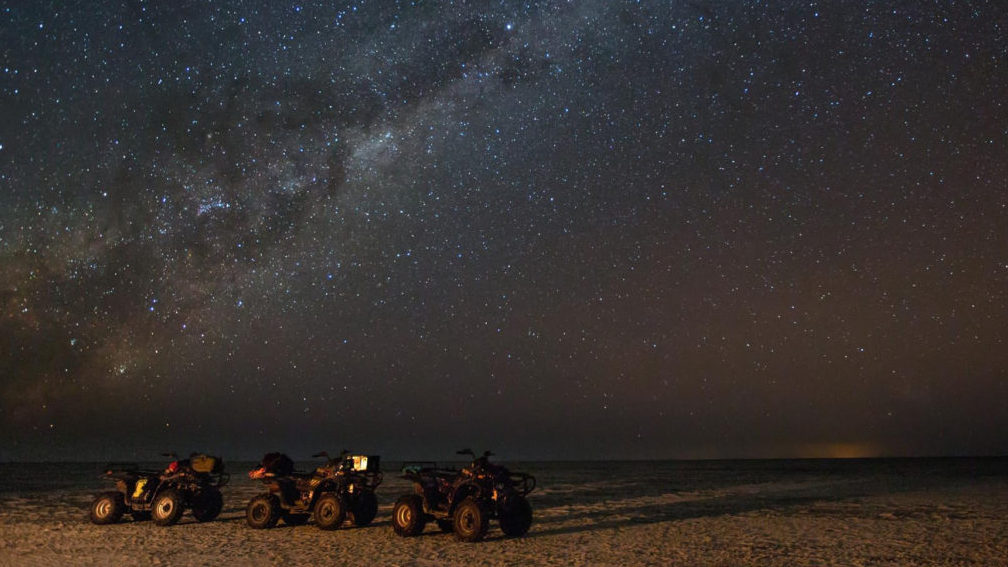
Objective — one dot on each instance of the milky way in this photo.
(559, 230)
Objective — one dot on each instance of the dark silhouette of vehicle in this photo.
(464, 501)
(163, 495)
(343, 486)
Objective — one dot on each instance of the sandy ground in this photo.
(845, 520)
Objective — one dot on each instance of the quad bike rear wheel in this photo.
(516, 516)
(108, 508)
(207, 505)
(365, 508)
(330, 511)
(262, 512)
(167, 509)
(408, 516)
(471, 520)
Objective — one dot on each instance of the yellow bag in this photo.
(205, 463)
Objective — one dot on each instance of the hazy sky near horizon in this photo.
(580, 229)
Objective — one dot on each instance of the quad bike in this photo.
(343, 486)
(464, 501)
(163, 495)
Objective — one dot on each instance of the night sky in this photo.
(586, 229)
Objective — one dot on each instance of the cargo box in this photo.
(206, 464)
(365, 463)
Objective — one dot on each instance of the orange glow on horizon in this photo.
(840, 451)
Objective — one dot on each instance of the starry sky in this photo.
(561, 230)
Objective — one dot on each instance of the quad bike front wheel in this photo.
(108, 508)
(515, 516)
(207, 505)
(365, 508)
(408, 516)
(330, 511)
(471, 520)
(167, 509)
(262, 512)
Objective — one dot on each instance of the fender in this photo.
(323, 488)
(465, 490)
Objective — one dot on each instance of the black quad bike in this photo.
(163, 495)
(464, 501)
(343, 486)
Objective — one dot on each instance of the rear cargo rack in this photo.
(524, 483)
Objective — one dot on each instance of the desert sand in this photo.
(589, 514)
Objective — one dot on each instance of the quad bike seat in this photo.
(303, 482)
(131, 475)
